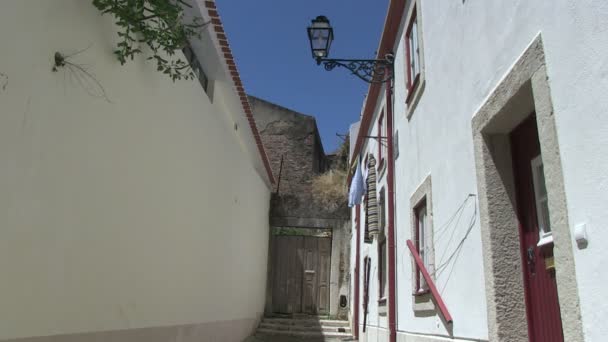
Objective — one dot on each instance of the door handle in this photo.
(531, 260)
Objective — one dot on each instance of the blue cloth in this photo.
(357, 188)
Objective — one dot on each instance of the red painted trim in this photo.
(436, 296)
(381, 259)
(236, 78)
(391, 250)
(417, 242)
(379, 138)
(408, 53)
(387, 44)
(357, 261)
(410, 91)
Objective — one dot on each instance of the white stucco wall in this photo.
(468, 48)
(377, 319)
(149, 210)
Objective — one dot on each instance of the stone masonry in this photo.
(294, 138)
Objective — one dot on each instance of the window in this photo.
(396, 145)
(382, 269)
(367, 264)
(412, 48)
(196, 67)
(422, 245)
(413, 55)
(382, 141)
(382, 246)
(542, 202)
(382, 210)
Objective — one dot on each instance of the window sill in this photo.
(382, 301)
(412, 90)
(545, 240)
(413, 96)
(421, 292)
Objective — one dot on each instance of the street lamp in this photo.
(321, 35)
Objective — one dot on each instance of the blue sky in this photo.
(269, 42)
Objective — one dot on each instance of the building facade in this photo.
(309, 241)
(133, 208)
(494, 173)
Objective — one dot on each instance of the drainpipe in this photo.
(356, 278)
(392, 300)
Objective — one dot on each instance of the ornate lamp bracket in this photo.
(369, 70)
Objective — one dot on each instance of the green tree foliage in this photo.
(159, 25)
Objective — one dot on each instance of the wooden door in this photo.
(309, 298)
(287, 274)
(301, 274)
(324, 264)
(542, 305)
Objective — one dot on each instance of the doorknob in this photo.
(531, 263)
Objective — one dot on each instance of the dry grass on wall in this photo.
(329, 189)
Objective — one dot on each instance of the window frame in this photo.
(412, 81)
(382, 210)
(421, 287)
(545, 236)
(379, 133)
(197, 68)
(382, 270)
(413, 85)
(422, 196)
(382, 254)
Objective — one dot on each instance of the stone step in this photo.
(300, 327)
(307, 322)
(303, 334)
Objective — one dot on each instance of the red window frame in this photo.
(412, 80)
(381, 261)
(418, 290)
(380, 141)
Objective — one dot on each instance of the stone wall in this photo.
(294, 138)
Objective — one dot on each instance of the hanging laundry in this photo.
(371, 216)
(357, 188)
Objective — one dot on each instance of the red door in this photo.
(544, 320)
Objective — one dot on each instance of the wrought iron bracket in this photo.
(381, 140)
(369, 70)
(375, 137)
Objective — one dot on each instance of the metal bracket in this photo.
(368, 70)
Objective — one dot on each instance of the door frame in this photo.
(523, 90)
(273, 272)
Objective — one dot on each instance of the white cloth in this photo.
(357, 188)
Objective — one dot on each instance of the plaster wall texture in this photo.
(122, 215)
(377, 314)
(351, 275)
(468, 48)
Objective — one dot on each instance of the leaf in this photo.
(158, 24)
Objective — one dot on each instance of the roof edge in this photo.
(226, 55)
(387, 42)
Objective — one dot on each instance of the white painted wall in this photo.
(149, 210)
(376, 320)
(468, 47)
